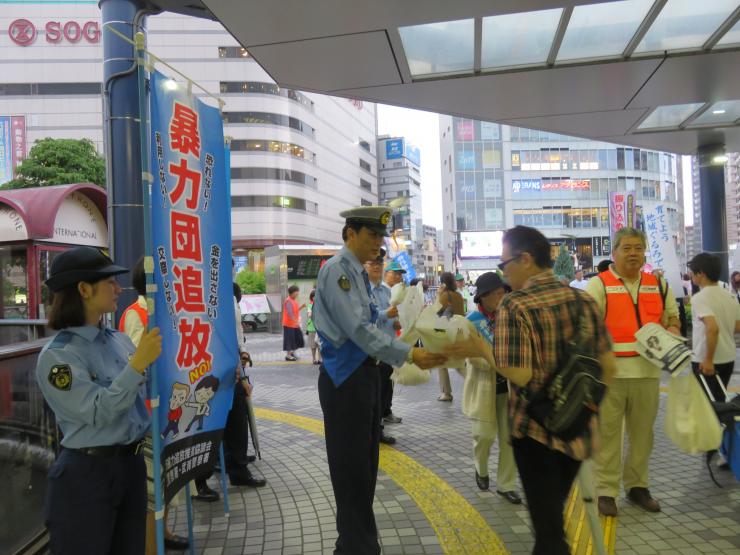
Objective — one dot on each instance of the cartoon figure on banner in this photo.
(204, 392)
(178, 397)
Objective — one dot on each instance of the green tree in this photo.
(59, 162)
(564, 266)
(251, 282)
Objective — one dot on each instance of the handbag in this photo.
(572, 394)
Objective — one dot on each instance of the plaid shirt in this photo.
(533, 327)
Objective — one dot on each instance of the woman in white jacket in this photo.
(486, 396)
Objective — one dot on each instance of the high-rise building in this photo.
(496, 176)
(399, 186)
(298, 159)
(693, 241)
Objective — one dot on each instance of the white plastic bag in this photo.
(398, 292)
(410, 374)
(410, 309)
(690, 422)
(437, 332)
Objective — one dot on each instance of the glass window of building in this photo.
(232, 52)
(14, 282)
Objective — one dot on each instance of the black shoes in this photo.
(482, 481)
(642, 498)
(511, 496)
(243, 477)
(176, 542)
(205, 493)
(388, 440)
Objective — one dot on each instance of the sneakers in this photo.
(392, 419)
(291, 358)
(445, 397)
(642, 498)
(607, 506)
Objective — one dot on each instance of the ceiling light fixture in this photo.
(719, 112)
(721, 159)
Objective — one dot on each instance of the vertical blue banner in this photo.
(404, 260)
(194, 305)
(6, 151)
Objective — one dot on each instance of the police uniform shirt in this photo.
(344, 319)
(382, 297)
(96, 396)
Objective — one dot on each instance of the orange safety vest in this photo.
(289, 322)
(141, 311)
(624, 317)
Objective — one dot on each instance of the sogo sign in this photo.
(23, 33)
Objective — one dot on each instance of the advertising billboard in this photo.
(481, 244)
(464, 130)
(6, 150)
(537, 185)
(465, 160)
(622, 211)
(413, 154)
(394, 149)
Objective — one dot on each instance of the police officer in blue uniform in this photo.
(93, 379)
(349, 380)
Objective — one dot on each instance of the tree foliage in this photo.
(251, 282)
(59, 162)
(564, 266)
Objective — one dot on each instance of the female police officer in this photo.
(93, 379)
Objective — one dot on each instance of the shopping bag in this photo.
(398, 292)
(690, 422)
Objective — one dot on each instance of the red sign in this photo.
(18, 139)
(465, 131)
(567, 184)
(23, 32)
(356, 103)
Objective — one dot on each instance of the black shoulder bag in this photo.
(572, 395)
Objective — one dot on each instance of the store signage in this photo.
(356, 103)
(79, 222)
(536, 185)
(18, 139)
(23, 32)
(622, 211)
(413, 154)
(464, 130)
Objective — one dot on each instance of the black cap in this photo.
(81, 264)
(381, 257)
(490, 281)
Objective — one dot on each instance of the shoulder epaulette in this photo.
(61, 339)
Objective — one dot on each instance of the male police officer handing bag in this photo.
(93, 378)
(349, 381)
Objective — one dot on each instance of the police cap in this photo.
(375, 218)
(81, 264)
(490, 281)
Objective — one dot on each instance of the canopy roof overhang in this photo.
(659, 74)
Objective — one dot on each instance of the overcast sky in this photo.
(422, 130)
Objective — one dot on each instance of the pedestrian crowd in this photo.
(530, 331)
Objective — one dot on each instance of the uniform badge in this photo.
(385, 218)
(60, 376)
(344, 283)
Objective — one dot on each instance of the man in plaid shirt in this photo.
(533, 325)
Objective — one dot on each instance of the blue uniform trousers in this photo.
(96, 505)
(352, 429)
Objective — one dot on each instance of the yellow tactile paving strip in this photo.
(459, 527)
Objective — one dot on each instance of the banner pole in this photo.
(146, 183)
(224, 491)
(189, 511)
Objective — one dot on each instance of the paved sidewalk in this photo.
(294, 513)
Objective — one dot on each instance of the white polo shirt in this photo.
(715, 301)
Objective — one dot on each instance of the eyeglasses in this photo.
(507, 262)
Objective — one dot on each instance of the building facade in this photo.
(298, 159)
(496, 176)
(399, 186)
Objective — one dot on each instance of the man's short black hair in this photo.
(527, 239)
(707, 264)
(354, 225)
(604, 265)
(138, 277)
(237, 292)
